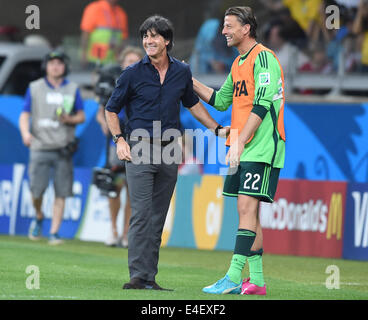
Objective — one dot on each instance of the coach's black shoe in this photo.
(135, 283)
(152, 285)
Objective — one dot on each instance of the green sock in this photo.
(256, 269)
(243, 243)
(236, 267)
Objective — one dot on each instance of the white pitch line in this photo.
(343, 283)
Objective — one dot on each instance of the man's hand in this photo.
(224, 132)
(65, 118)
(123, 150)
(237, 148)
(27, 138)
(74, 119)
(234, 153)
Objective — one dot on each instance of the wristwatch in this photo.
(218, 128)
(116, 137)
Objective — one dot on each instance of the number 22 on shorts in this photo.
(251, 181)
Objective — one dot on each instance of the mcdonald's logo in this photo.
(334, 226)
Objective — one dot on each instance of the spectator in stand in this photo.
(292, 30)
(351, 55)
(318, 63)
(307, 14)
(360, 29)
(104, 27)
(287, 53)
(211, 53)
(336, 39)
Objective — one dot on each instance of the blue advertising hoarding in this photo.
(16, 210)
(327, 142)
(355, 245)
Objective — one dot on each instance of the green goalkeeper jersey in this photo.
(263, 92)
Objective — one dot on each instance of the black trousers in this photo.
(151, 186)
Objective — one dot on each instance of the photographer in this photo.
(104, 88)
(54, 106)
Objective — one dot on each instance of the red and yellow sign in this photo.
(306, 218)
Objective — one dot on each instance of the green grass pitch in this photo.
(80, 270)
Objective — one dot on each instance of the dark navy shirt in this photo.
(146, 100)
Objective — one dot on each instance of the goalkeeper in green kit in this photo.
(255, 88)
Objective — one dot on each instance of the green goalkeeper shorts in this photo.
(255, 179)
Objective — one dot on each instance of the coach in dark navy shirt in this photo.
(146, 99)
(151, 90)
